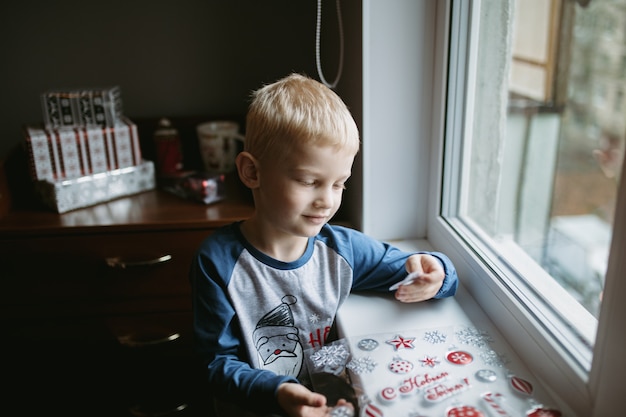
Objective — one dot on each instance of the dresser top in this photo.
(23, 216)
(149, 210)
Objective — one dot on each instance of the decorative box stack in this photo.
(86, 152)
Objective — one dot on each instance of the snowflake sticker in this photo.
(459, 357)
(486, 375)
(474, 337)
(430, 361)
(434, 337)
(342, 411)
(401, 342)
(367, 344)
(492, 358)
(330, 357)
(362, 365)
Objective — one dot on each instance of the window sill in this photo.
(367, 314)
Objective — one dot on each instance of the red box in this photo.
(202, 187)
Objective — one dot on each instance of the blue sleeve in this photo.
(378, 265)
(217, 335)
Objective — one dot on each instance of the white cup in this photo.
(219, 142)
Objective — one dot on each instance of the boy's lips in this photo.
(316, 218)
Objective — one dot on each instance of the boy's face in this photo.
(299, 195)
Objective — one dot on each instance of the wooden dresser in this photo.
(95, 306)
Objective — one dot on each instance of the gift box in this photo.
(89, 107)
(70, 194)
(198, 186)
(73, 152)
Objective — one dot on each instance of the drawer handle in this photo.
(118, 262)
(130, 342)
(140, 412)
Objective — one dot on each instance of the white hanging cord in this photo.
(317, 45)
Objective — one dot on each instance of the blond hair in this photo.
(294, 110)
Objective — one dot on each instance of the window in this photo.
(534, 137)
(409, 187)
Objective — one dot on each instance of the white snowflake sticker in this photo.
(474, 337)
(362, 365)
(435, 337)
(330, 357)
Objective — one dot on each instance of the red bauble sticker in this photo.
(464, 411)
(459, 357)
(371, 410)
(543, 412)
(400, 366)
(521, 385)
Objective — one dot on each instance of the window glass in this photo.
(543, 144)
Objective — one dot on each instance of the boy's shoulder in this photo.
(344, 237)
(225, 235)
(338, 228)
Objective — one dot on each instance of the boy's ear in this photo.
(247, 168)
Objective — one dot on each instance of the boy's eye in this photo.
(313, 183)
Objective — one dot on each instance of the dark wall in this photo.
(170, 58)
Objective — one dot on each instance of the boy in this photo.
(268, 288)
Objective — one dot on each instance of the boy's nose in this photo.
(324, 198)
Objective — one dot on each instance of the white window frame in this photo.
(596, 393)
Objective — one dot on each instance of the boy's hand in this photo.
(426, 286)
(298, 401)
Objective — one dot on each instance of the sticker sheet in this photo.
(451, 372)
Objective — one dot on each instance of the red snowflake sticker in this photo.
(429, 361)
(459, 357)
